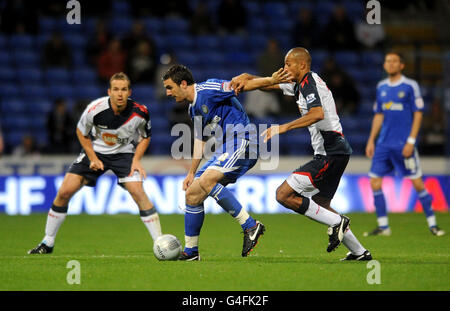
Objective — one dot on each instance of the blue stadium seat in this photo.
(161, 144)
(252, 7)
(240, 58)
(34, 91)
(206, 42)
(69, 29)
(79, 58)
(64, 91)
(355, 9)
(5, 58)
(14, 106)
(257, 43)
(47, 25)
(120, 7)
(179, 41)
(296, 6)
(37, 122)
(233, 43)
(16, 121)
(143, 93)
(41, 106)
(175, 25)
(356, 73)
(211, 59)
(160, 122)
(372, 58)
(9, 90)
(257, 25)
(187, 58)
(153, 25)
(120, 26)
(323, 9)
(20, 42)
(75, 41)
(7, 75)
(14, 138)
(57, 76)
(90, 92)
(276, 10)
(84, 75)
(29, 75)
(347, 58)
(41, 136)
(3, 41)
(26, 59)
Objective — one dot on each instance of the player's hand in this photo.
(270, 132)
(137, 166)
(281, 76)
(96, 165)
(408, 150)
(188, 181)
(370, 149)
(238, 83)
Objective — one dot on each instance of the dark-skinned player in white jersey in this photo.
(114, 132)
(310, 188)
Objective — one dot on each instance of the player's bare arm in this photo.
(377, 122)
(139, 153)
(408, 149)
(315, 114)
(247, 82)
(196, 159)
(86, 143)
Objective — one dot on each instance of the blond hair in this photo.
(120, 76)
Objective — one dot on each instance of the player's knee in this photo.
(193, 198)
(375, 183)
(64, 194)
(281, 195)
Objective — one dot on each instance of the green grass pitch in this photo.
(115, 253)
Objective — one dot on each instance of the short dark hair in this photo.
(120, 76)
(400, 55)
(179, 73)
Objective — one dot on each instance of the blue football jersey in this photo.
(397, 102)
(217, 105)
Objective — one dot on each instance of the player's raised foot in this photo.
(41, 249)
(251, 237)
(437, 231)
(379, 231)
(336, 233)
(363, 257)
(189, 257)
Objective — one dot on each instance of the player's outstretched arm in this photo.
(86, 144)
(248, 82)
(376, 126)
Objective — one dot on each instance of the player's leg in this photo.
(426, 200)
(357, 251)
(147, 211)
(58, 211)
(288, 195)
(381, 166)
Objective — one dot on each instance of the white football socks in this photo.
(54, 221)
(153, 225)
(321, 214)
(352, 243)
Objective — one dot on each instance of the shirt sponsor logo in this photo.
(110, 139)
(392, 106)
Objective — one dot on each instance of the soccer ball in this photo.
(167, 247)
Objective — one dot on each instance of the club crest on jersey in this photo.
(109, 139)
(383, 93)
(401, 94)
(310, 98)
(205, 109)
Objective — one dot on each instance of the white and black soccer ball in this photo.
(167, 247)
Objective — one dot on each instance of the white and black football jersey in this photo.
(111, 133)
(326, 135)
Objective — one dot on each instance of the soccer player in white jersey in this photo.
(114, 132)
(398, 115)
(310, 188)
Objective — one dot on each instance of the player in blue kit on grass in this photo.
(398, 114)
(214, 104)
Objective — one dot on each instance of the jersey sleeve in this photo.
(308, 88)
(86, 121)
(418, 100)
(145, 128)
(219, 90)
(287, 88)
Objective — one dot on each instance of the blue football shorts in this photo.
(388, 160)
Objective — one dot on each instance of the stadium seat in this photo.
(9, 90)
(355, 9)
(3, 42)
(33, 91)
(40, 106)
(373, 58)
(175, 25)
(57, 76)
(211, 59)
(15, 106)
(347, 58)
(257, 43)
(69, 29)
(153, 25)
(160, 122)
(206, 42)
(120, 26)
(120, 8)
(21, 42)
(19, 122)
(47, 25)
(177, 41)
(5, 58)
(253, 7)
(29, 75)
(90, 92)
(240, 58)
(84, 75)
(356, 73)
(26, 59)
(37, 122)
(7, 74)
(79, 58)
(275, 10)
(187, 58)
(64, 91)
(143, 93)
(234, 43)
(75, 41)
(323, 9)
(257, 25)
(14, 138)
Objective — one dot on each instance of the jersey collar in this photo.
(396, 83)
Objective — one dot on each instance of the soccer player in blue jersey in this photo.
(398, 114)
(214, 103)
